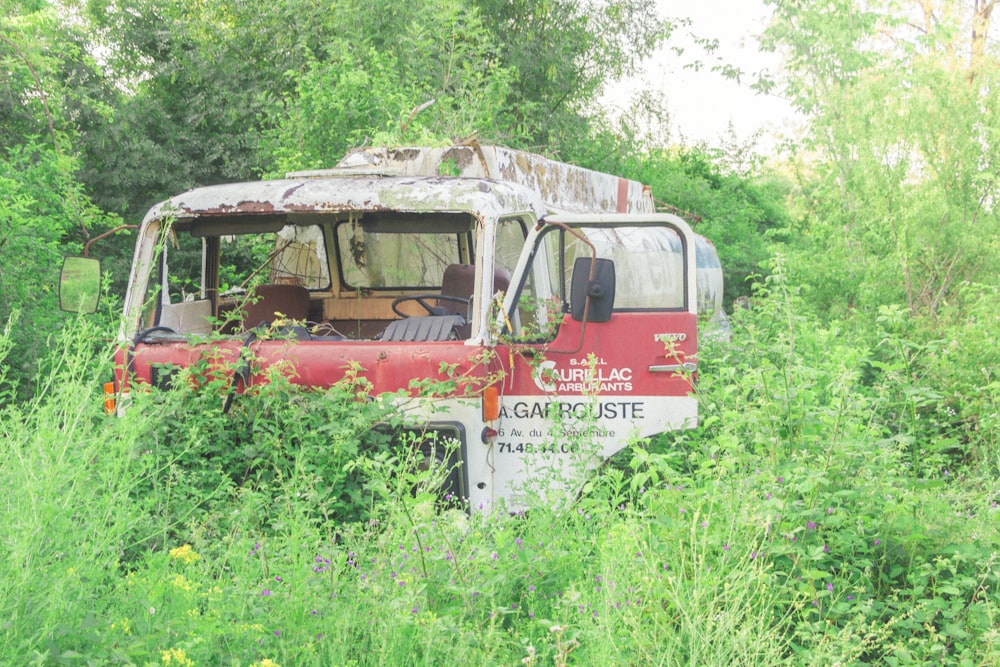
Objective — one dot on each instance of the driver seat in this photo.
(266, 302)
(458, 280)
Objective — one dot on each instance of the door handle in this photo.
(686, 367)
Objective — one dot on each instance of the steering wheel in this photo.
(139, 337)
(422, 300)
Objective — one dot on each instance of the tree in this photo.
(199, 84)
(562, 53)
(50, 91)
(436, 80)
(901, 188)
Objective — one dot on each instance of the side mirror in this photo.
(600, 291)
(80, 284)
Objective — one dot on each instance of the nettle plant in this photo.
(216, 438)
(276, 438)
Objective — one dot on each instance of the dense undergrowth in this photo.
(838, 505)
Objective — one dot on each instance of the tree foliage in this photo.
(432, 79)
(521, 73)
(197, 85)
(50, 91)
(900, 192)
(562, 53)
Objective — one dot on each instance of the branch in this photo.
(48, 118)
(413, 114)
(38, 86)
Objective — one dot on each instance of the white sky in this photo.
(702, 104)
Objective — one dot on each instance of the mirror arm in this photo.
(86, 248)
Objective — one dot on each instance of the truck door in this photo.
(576, 390)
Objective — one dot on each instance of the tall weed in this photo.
(67, 511)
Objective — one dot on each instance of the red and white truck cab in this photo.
(565, 307)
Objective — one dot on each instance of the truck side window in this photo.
(649, 271)
(649, 265)
(509, 242)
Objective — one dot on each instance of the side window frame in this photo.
(554, 302)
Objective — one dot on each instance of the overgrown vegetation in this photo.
(832, 507)
(837, 504)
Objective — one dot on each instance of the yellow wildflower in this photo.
(266, 662)
(122, 625)
(176, 656)
(180, 582)
(184, 554)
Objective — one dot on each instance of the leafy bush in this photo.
(279, 445)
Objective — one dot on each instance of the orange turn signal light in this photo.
(491, 403)
(109, 398)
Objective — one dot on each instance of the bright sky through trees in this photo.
(703, 103)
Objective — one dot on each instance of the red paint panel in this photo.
(623, 195)
(617, 355)
(389, 367)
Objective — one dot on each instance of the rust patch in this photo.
(460, 154)
(256, 206)
(403, 154)
(290, 191)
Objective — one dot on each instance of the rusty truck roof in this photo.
(564, 187)
(485, 198)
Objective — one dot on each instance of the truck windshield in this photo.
(198, 264)
(404, 251)
(296, 254)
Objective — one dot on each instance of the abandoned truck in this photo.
(566, 305)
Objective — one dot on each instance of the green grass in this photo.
(819, 516)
